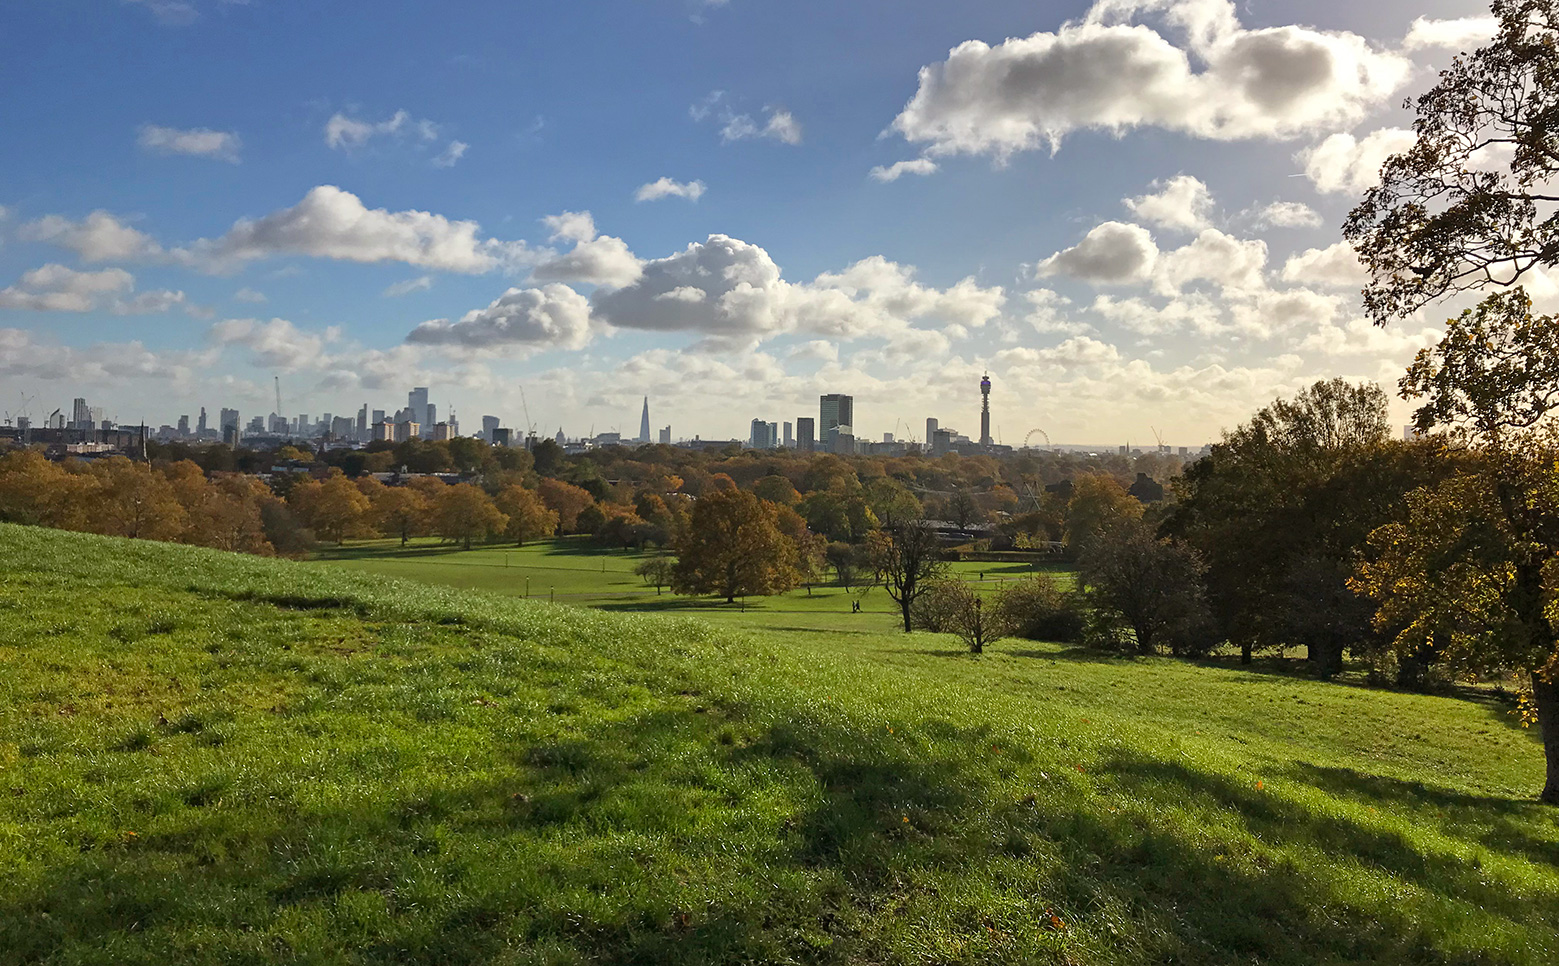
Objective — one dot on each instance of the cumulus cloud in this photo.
(195, 142)
(276, 344)
(55, 288)
(1343, 163)
(574, 226)
(896, 170)
(668, 188)
(594, 260)
(1106, 72)
(1114, 253)
(419, 284)
(249, 295)
(1461, 34)
(1229, 262)
(23, 356)
(451, 154)
(1335, 266)
(343, 132)
(1288, 214)
(99, 237)
(1048, 313)
(1182, 203)
(332, 223)
(550, 317)
(154, 302)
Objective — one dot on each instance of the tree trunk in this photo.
(904, 606)
(1245, 653)
(1546, 697)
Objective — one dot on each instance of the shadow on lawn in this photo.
(578, 848)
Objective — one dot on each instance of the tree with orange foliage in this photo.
(566, 500)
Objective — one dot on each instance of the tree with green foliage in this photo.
(906, 559)
(656, 571)
(734, 547)
(951, 606)
(1097, 503)
(1472, 572)
(1149, 588)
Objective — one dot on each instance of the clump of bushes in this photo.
(1035, 609)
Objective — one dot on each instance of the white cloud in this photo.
(892, 172)
(1461, 34)
(1229, 262)
(99, 237)
(574, 226)
(667, 188)
(1336, 266)
(249, 295)
(814, 350)
(1048, 313)
(781, 124)
(603, 260)
(277, 344)
(55, 288)
(100, 364)
(154, 303)
(550, 317)
(196, 142)
(1105, 72)
(173, 13)
(1288, 214)
(1182, 203)
(1113, 253)
(1343, 163)
(451, 154)
(419, 284)
(343, 132)
(1194, 312)
(332, 223)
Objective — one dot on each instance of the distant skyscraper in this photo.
(429, 420)
(228, 420)
(665, 436)
(377, 417)
(362, 423)
(806, 435)
(835, 409)
(417, 402)
(200, 427)
(985, 411)
(81, 414)
(931, 427)
(183, 425)
(790, 437)
(644, 422)
(490, 425)
(759, 437)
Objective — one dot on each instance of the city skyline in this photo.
(1163, 259)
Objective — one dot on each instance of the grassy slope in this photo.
(220, 759)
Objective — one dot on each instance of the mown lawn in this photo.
(215, 759)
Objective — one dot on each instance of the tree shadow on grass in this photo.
(701, 832)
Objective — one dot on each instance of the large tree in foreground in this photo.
(734, 547)
(1474, 572)
(1471, 204)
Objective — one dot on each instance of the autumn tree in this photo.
(334, 507)
(464, 513)
(1147, 587)
(529, 518)
(959, 609)
(1450, 213)
(401, 511)
(133, 500)
(566, 500)
(1471, 573)
(1097, 503)
(733, 546)
(906, 558)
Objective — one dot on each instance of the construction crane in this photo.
(530, 426)
(1160, 438)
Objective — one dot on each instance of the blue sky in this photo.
(201, 195)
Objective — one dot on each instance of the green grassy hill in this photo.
(219, 759)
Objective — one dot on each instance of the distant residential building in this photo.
(887, 437)
(441, 431)
(806, 435)
(406, 429)
(256, 425)
(383, 431)
(665, 436)
(80, 414)
(841, 440)
(343, 427)
(764, 435)
(278, 424)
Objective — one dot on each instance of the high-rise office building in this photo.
(183, 425)
(489, 425)
(644, 422)
(835, 409)
(362, 423)
(417, 401)
(200, 427)
(81, 414)
(806, 434)
(931, 427)
(665, 436)
(790, 437)
(762, 436)
(430, 419)
(227, 419)
(377, 417)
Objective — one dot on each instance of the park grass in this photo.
(207, 758)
